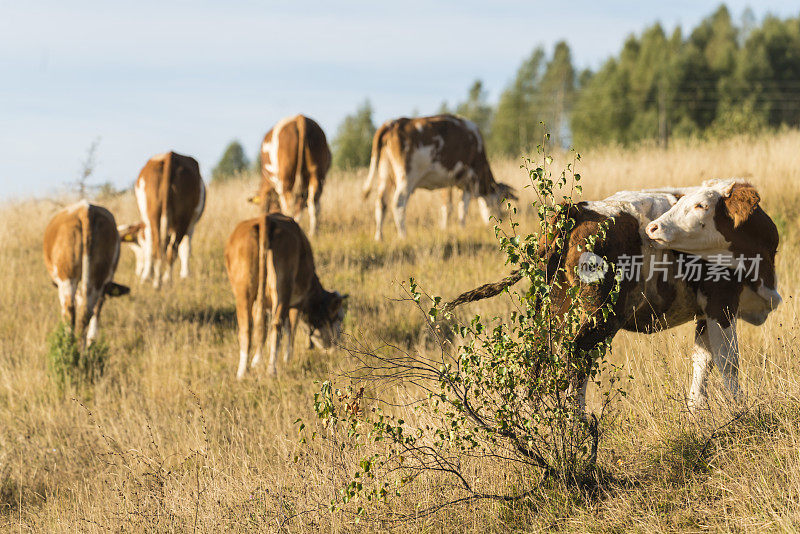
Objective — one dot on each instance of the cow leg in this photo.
(399, 202)
(288, 348)
(146, 268)
(277, 325)
(184, 251)
(725, 353)
(588, 342)
(701, 366)
(463, 207)
(259, 332)
(312, 205)
(147, 253)
(158, 258)
(287, 204)
(447, 204)
(380, 211)
(484, 207)
(171, 252)
(243, 318)
(66, 296)
(91, 332)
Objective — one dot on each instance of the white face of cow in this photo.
(689, 225)
(694, 225)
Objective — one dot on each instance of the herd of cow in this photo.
(270, 262)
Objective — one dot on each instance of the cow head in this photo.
(325, 321)
(267, 198)
(722, 220)
(134, 235)
(691, 224)
(495, 200)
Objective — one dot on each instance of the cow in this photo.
(441, 151)
(723, 223)
(171, 198)
(81, 250)
(652, 226)
(295, 158)
(270, 265)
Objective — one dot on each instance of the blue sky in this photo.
(147, 76)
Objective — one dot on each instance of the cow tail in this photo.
(549, 252)
(81, 312)
(261, 287)
(298, 188)
(377, 142)
(485, 291)
(163, 195)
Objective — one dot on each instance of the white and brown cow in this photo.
(713, 299)
(171, 197)
(271, 267)
(436, 152)
(295, 158)
(723, 223)
(81, 249)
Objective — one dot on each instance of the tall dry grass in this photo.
(168, 440)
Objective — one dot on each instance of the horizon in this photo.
(154, 77)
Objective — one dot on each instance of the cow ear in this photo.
(335, 305)
(506, 191)
(741, 200)
(113, 289)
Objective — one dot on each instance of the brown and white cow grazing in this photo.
(81, 249)
(171, 197)
(271, 266)
(294, 161)
(431, 153)
(713, 299)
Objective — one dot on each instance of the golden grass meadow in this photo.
(167, 440)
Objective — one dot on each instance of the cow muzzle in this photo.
(655, 231)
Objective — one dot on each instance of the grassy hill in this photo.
(168, 440)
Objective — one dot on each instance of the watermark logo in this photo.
(591, 268)
(689, 268)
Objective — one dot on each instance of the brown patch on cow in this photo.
(722, 300)
(740, 202)
(751, 236)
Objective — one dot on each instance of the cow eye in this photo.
(701, 207)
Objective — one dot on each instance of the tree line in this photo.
(724, 77)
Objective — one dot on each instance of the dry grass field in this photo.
(168, 440)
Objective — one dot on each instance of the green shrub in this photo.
(505, 397)
(68, 365)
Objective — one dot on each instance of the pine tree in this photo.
(232, 162)
(353, 141)
(476, 107)
(516, 126)
(556, 92)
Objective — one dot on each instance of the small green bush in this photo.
(68, 365)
